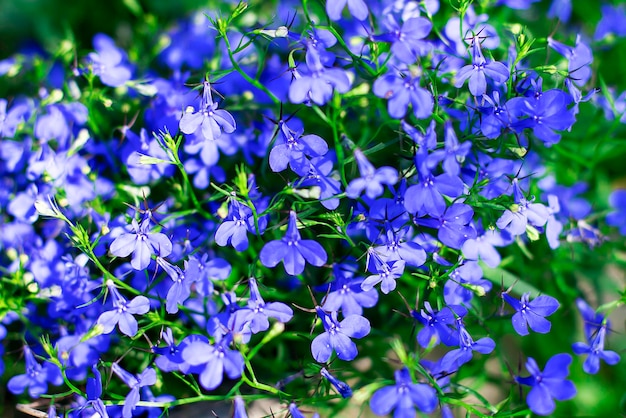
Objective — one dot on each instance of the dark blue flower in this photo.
(94, 392)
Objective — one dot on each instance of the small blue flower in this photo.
(108, 62)
(292, 250)
(371, 179)
(142, 244)
(595, 351)
(402, 91)
(255, 318)
(336, 336)
(209, 118)
(549, 384)
(454, 359)
(94, 392)
(342, 387)
(122, 312)
(532, 314)
(478, 70)
(357, 8)
(212, 361)
(134, 382)
(403, 397)
(35, 378)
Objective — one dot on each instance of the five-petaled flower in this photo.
(292, 250)
(531, 314)
(549, 384)
(142, 244)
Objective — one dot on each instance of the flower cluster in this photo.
(166, 220)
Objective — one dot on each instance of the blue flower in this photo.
(371, 180)
(454, 359)
(134, 382)
(142, 244)
(342, 387)
(595, 351)
(35, 378)
(213, 360)
(617, 217)
(292, 250)
(549, 384)
(403, 397)
(345, 293)
(108, 62)
(211, 119)
(407, 41)
(478, 70)
(336, 336)
(292, 148)
(402, 91)
(437, 325)
(357, 8)
(239, 407)
(319, 176)
(613, 21)
(295, 412)
(532, 314)
(317, 82)
(385, 272)
(94, 392)
(596, 327)
(255, 318)
(123, 312)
